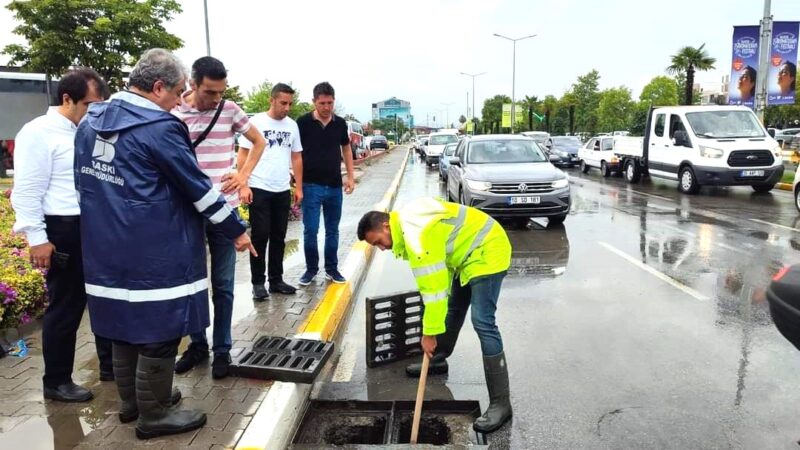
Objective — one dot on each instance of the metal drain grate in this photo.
(394, 327)
(283, 359)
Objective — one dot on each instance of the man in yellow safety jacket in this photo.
(459, 257)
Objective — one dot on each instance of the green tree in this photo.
(258, 101)
(549, 106)
(660, 91)
(639, 118)
(529, 105)
(351, 117)
(389, 125)
(233, 94)
(687, 61)
(586, 97)
(106, 35)
(615, 109)
(462, 120)
(492, 112)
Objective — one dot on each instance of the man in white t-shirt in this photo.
(272, 199)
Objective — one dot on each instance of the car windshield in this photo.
(504, 151)
(567, 142)
(725, 124)
(443, 139)
(379, 138)
(449, 149)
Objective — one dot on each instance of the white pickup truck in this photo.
(703, 145)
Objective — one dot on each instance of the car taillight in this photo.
(781, 273)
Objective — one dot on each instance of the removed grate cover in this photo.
(283, 359)
(394, 327)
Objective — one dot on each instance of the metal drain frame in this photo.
(283, 359)
(393, 410)
(394, 327)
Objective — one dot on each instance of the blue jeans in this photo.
(223, 265)
(328, 199)
(481, 294)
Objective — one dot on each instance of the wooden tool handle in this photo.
(423, 377)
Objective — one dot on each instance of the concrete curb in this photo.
(359, 162)
(784, 186)
(274, 422)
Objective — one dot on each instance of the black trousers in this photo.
(66, 294)
(269, 218)
(168, 349)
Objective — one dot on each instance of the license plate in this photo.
(524, 200)
(574, 159)
(752, 173)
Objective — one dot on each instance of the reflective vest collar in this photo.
(398, 242)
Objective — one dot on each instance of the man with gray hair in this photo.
(143, 203)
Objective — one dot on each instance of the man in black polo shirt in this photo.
(325, 142)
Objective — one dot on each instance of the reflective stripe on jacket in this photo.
(440, 239)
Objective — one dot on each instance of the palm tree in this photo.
(530, 103)
(688, 60)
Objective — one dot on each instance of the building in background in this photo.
(714, 93)
(387, 109)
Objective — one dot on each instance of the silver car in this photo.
(508, 176)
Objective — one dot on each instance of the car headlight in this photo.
(566, 154)
(479, 185)
(561, 183)
(777, 151)
(709, 152)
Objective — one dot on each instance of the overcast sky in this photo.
(415, 49)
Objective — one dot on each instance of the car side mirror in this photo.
(454, 161)
(771, 133)
(554, 158)
(681, 140)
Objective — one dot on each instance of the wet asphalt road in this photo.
(639, 323)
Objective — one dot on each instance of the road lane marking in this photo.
(661, 276)
(694, 235)
(775, 225)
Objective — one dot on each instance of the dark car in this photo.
(379, 141)
(566, 148)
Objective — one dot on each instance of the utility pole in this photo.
(208, 36)
(447, 114)
(473, 75)
(514, 76)
(764, 50)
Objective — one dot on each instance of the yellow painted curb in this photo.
(278, 413)
(332, 308)
(784, 186)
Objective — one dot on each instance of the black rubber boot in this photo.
(499, 411)
(157, 417)
(437, 366)
(445, 344)
(124, 358)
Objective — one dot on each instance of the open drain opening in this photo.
(356, 423)
(432, 430)
(355, 430)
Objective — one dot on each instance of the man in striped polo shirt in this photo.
(215, 154)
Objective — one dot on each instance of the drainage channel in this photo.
(372, 424)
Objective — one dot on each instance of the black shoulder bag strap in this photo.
(208, 129)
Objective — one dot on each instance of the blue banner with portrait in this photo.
(744, 66)
(782, 75)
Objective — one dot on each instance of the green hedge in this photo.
(23, 295)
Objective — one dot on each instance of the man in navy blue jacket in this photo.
(143, 201)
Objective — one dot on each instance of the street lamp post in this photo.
(447, 113)
(473, 75)
(208, 37)
(514, 75)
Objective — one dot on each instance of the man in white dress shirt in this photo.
(47, 212)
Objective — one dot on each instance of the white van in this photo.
(703, 145)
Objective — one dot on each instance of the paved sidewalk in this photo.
(27, 421)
